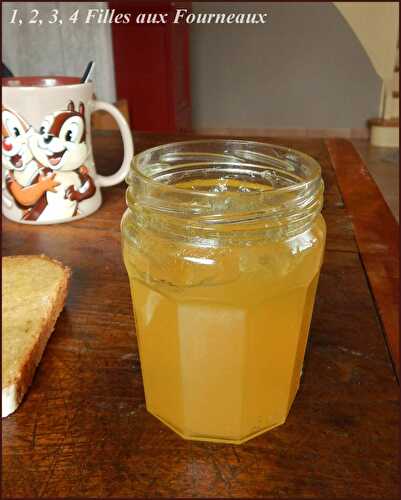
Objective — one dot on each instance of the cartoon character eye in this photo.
(45, 127)
(72, 130)
(68, 136)
(14, 126)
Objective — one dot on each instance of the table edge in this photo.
(378, 244)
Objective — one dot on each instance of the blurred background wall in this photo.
(305, 70)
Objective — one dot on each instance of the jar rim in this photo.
(314, 174)
(223, 184)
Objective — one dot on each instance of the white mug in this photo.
(49, 174)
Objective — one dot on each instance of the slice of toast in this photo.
(34, 289)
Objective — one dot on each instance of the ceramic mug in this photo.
(49, 174)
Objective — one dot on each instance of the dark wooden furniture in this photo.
(83, 429)
(377, 234)
(152, 66)
(101, 120)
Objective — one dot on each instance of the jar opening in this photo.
(187, 165)
(226, 181)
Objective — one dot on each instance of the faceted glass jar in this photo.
(223, 242)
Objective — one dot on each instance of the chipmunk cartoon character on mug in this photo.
(24, 178)
(60, 146)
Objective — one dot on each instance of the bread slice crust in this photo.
(15, 386)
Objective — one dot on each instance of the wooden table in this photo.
(83, 430)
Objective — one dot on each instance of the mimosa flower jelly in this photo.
(223, 243)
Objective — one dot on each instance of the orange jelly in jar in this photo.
(223, 242)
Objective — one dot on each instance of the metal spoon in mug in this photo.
(88, 72)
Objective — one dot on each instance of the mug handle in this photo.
(117, 177)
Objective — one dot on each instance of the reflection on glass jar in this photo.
(223, 242)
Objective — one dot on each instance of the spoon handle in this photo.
(88, 71)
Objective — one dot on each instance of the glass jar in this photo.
(223, 242)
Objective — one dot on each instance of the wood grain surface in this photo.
(83, 429)
(378, 236)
